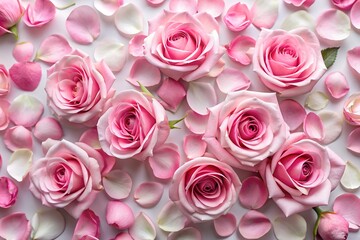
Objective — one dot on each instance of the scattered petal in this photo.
(353, 140)
(119, 215)
(117, 184)
(194, 146)
(238, 17)
(8, 192)
(212, 7)
(123, 236)
(313, 127)
(298, 19)
(154, 3)
(136, 48)
(47, 224)
(195, 122)
(18, 137)
(240, 49)
(189, 6)
(316, 101)
(253, 193)
(332, 123)
(19, 164)
(343, 4)
(140, 72)
(225, 225)
(165, 161)
(25, 110)
(143, 228)
(355, 15)
(293, 113)
(15, 227)
(23, 51)
(353, 59)
(301, 3)
(177, 90)
(200, 96)
(129, 20)
(39, 13)
(188, 233)
(231, 80)
(26, 75)
(63, 4)
(292, 227)
(350, 180)
(4, 81)
(345, 205)
(107, 7)
(265, 13)
(337, 85)
(254, 225)
(4, 114)
(148, 194)
(113, 53)
(171, 219)
(53, 48)
(88, 225)
(83, 24)
(48, 127)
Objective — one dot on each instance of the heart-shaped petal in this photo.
(15, 227)
(313, 127)
(18, 137)
(231, 80)
(25, 110)
(47, 224)
(117, 184)
(88, 225)
(337, 85)
(177, 90)
(39, 13)
(293, 113)
(165, 161)
(200, 96)
(26, 75)
(170, 218)
(316, 101)
(143, 228)
(253, 193)
(113, 53)
(53, 48)
(48, 127)
(332, 122)
(225, 225)
(119, 215)
(194, 146)
(140, 72)
(23, 51)
(195, 122)
(254, 225)
(148, 194)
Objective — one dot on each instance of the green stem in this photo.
(319, 213)
(145, 90)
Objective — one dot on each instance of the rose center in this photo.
(306, 170)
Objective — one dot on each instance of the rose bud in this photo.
(333, 226)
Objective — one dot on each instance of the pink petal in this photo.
(155, 3)
(195, 122)
(178, 93)
(231, 80)
(4, 81)
(170, 218)
(8, 192)
(225, 225)
(254, 225)
(25, 110)
(343, 4)
(313, 127)
(148, 194)
(136, 45)
(200, 96)
(212, 7)
(53, 48)
(129, 20)
(113, 53)
(117, 184)
(23, 51)
(237, 17)
(91, 138)
(333, 27)
(240, 49)
(123, 236)
(26, 75)
(83, 24)
(253, 193)
(19, 164)
(265, 13)
(345, 205)
(140, 72)
(188, 233)
(293, 113)
(353, 59)
(4, 114)
(48, 127)
(143, 228)
(194, 146)
(355, 15)
(15, 227)
(353, 141)
(119, 215)
(337, 85)
(39, 13)
(18, 137)
(88, 224)
(301, 3)
(189, 6)
(165, 161)
(106, 7)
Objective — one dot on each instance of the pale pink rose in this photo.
(8, 192)
(78, 89)
(351, 109)
(333, 226)
(301, 174)
(4, 81)
(10, 14)
(133, 126)
(87, 226)
(245, 129)
(204, 188)
(289, 63)
(183, 45)
(238, 17)
(343, 4)
(68, 176)
(299, 3)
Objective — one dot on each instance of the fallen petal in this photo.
(240, 49)
(293, 113)
(18, 137)
(26, 75)
(23, 51)
(332, 123)
(47, 224)
(353, 141)
(177, 93)
(194, 146)
(200, 96)
(148, 194)
(143, 228)
(343, 4)
(253, 193)
(212, 7)
(117, 184)
(106, 7)
(154, 3)
(189, 6)
(337, 85)
(53, 48)
(316, 101)
(113, 53)
(265, 13)
(140, 72)
(25, 110)
(88, 225)
(355, 15)
(48, 127)
(292, 227)
(195, 122)
(313, 127)
(129, 20)
(165, 161)
(136, 48)
(254, 225)
(63, 4)
(119, 215)
(188, 233)
(8, 192)
(15, 227)
(353, 59)
(39, 13)
(4, 81)
(123, 236)
(171, 219)
(345, 205)
(238, 17)
(231, 80)
(301, 3)
(225, 225)
(298, 19)
(350, 180)
(19, 164)
(4, 114)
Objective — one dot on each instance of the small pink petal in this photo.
(15, 227)
(313, 127)
(195, 122)
(88, 224)
(18, 137)
(106, 7)
(148, 194)
(353, 59)
(143, 228)
(39, 13)
(4, 114)
(293, 113)
(8, 192)
(301, 3)
(119, 215)
(48, 127)
(353, 141)
(26, 75)
(129, 20)
(23, 51)
(265, 13)
(194, 146)
(238, 17)
(19, 164)
(136, 48)
(123, 236)
(117, 184)
(231, 80)
(225, 225)
(345, 205)
(140, 72)
(155, 3)
(25, 110)
(113, 53)
(355, 15)
(83, 24)
(171, 219)
(240, 49)
(212, 7)
(4, 81)
(188, 233)
(343, 4)
(53, 48)
(189, 6)
(200, 96)
(177, 90)
(91, 138)
(254, 225)
(165, 161)
(253, 193)
(337, 85)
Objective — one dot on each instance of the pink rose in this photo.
(289, 63)
(299, 3)
(4, 81)
(8, 192)
(10, 14)
(79, 90)
(67, 177)
(301, 174)
(333, 226)
(245, 129)
(133, 126)
(204, 188)
(238, 17)
(351, 109)
(343, 4)
(183, 45)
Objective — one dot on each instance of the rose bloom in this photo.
(289, 63)
(10, 14)
(183, 45)
(343, 4)
(4, 81)
(204, 188)
(301, 174)
(245, 129)
(8, 192)
(67, 177)
(133, 126)
(299, 3)
(351, 110)
(238, 17)
(333, 226)
(78, 89)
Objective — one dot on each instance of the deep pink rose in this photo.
(183, 45)
(301, 174)
(245, 129)
(10, 14)
(78, 89)
(351, 110)
(333, 226)
(8, 192)
(289, 63)
(204, 188)
(67, 177)
(4, 81)
(133, 126)
(343, 4)
(299, 3)
(238, 17)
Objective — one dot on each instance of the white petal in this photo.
(298, 19)
(316, 101)
(47, 224)
(148, 194)
(292, 227)
(129, 20)
(19, 164)
(25, 110)
(200, 96)
(265, 13)
(63, 3)
(143, 228)
(113, 53)
(117, 184)
(171, 219)
(332, 122)
(106, 7)
(351, 177)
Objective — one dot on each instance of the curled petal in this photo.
(88, 225)
(18, 137)
(8, 192)
(188, 233)
(53, 48)
(26, 75)
(353, 59)
(301, 3)
(332, 123)
(117, 184)
(254, 225)
(20, 164)
(212, 7)
(194, 146)
(48, 127)
(265, 13)
(25, 110)
(293, 113)
(350, 180)
(140, 72)
(119, 215)
(292, 227)
(313, 127)
(343, 4)
(15, 227)
(353, 141)
(4, 114)
(253, 193)
(355, 15)
(345, 205)
(240, 49)
(171, 219)
(113, 53)
(337, 85)
(154, 3)
(225, 225)
(148, 194)
(316, 101)
(23, 51)
(200, 96)
(143, 228)
(177, 90)
(298, 19)
(47, 224)
(129, 20)
(136, 45)
(106, 7)
(4, 81)
(189, 6)
(231, 80)
(238, 17)
(39, 13)
(165, 161)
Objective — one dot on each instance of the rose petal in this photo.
(177, 90)
(53, 48)
(194, 146)
(123, 236)
(88, 225)
(15, 227)
(298, 19)
(212, 7)
(332, 122)
(237, 17)
(254, 225)
(8, 192)
(23, 51)
(63, 4)
(140, 72)
(316, 101)
(265, 13)
(19, 164)
(18, 137)
(188, 233)
(136, 45)
(200, 96)
(48, 127)
(189, 6)
(292, 227)
(195, 122)
(225, 225)
(25, 110)
(355, 15)
(129, 20)
(154, 3)
(119, 215)
(117, 184)
(353, 141)
(333, 27)
(231, 80)
(39, 13)
(345, 205)
(313, 127)
(171, 219)
(113, 53)
(165, 161)
(83, 24)
(47, 224)
(353, 59)
(240, 49)
(26, 75)
(292, 112)
(106, 7)
(148, 194)
(143, 228)
(253, 193)
(337, 85)
(4, 81)
(47, 144)
(343, 4)
(350, 180)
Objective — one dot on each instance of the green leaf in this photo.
(329, 56)
(145, 90)
(172, 123)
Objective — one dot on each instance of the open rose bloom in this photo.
(351, 110)
(10, 14)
